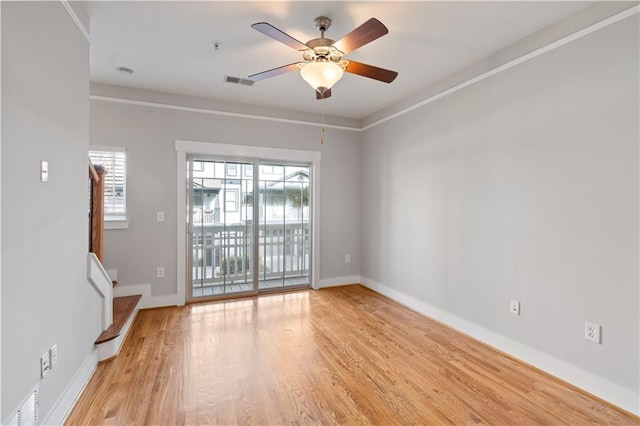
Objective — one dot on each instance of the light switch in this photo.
(44, 171)
(160, 216)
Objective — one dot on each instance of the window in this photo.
(231, 200)
(232, 169)
(114, 160)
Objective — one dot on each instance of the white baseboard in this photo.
(596, 385)
(147, 301)
(338, 281)
(62, 407)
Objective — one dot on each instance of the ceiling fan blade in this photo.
(380, 74)
(324, 95)
(365, 33)
(275, 71)
(282, 37)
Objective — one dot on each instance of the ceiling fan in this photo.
(323, 62)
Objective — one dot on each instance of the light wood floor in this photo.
(343, 355)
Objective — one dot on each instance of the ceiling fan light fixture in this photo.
(321, 75)
(322, 64)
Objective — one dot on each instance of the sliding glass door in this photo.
(284, 232)
(233, 232)
(222, 242)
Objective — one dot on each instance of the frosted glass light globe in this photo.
(321, 75)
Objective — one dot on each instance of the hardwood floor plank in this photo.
(344, 355)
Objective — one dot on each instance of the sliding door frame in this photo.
(190, 158)
(259, 223)
(239, 153)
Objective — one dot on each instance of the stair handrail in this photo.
(96, 209)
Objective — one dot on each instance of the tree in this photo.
(298, 197)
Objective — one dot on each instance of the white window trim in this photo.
(115, 222)
(249, 152)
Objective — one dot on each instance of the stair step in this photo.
(123, 308)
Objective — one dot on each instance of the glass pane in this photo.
(271, 172)
(284, 226)
(222, 234)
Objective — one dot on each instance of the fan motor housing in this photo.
(316, 42)
(321, 48)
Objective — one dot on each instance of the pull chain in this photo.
(322, 123)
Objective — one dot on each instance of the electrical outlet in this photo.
(45, 364)
(592, 332)
(347, 258)
(514, 307)
(160, 272)
(53, 355)
(160, 216)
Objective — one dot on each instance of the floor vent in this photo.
(238, 80)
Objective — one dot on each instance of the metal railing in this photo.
(224, 253)
(206, 217)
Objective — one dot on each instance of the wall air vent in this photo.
(29, 412)
(238, 80)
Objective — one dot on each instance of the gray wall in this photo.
(46, 298)
(523, 186)
(149, 134)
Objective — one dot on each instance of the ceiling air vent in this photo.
(238, 80)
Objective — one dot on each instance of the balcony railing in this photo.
(224, 253)
(203, 218)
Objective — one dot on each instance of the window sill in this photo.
(116, 224)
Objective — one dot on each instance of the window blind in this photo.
(114, 160)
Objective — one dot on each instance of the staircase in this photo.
(124, 312)
(118, 313)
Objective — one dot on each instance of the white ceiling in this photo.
(170, 46)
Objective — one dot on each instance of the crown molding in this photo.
(217, 112)
(472, 77)
(510, 64)
(76, 20)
